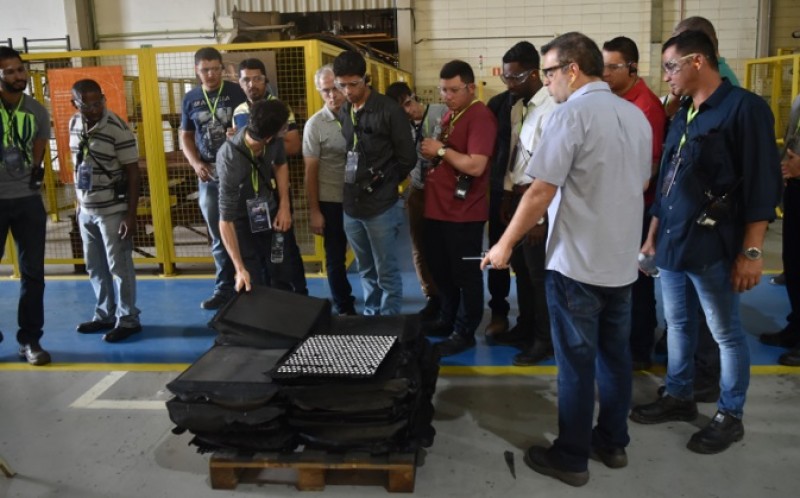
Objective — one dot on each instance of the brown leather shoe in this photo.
(34, 354)
(497, 325)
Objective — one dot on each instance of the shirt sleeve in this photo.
(231, 175)
(405, 153)
(761, 182)
(553, 157)
(311, 139)
(187, 124)
(42, 123)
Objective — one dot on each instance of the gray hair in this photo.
(327, 68)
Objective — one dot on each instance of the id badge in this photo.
(215, 135)
(13, 159)
(258, 213)
(351, 167)
(84, 172)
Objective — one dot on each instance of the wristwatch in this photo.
(441, 152)
(752, 253)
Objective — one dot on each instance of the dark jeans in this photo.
(591, 338)
(335, 242)
(499, 280)
(528, 262)
(460, 282)
(643, 308)
(791, 249)
(27, 220)
(255, 250)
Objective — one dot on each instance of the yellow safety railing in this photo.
(777, 79)
(171, 230)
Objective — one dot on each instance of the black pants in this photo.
(27, 220)
(499, 280)
(460, 282)
(791, 249)
(255, 250)
(335, 242)
(643, 310)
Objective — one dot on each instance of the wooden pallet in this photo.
(317, 468)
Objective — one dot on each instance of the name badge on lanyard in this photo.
(13, 159)
(84, 173)
(351, 167)
(258, 213)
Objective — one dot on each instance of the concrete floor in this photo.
(68, 438)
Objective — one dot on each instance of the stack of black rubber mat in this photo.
(246, 398)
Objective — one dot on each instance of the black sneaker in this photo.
(94, 326)
(431, 309)
(534, 355)
(723, 430)
(121, 333)
(613, 458)
(454, 344)
(664, 409)
(214, 302)
(34, 354)
(536, 458)
(786, 338)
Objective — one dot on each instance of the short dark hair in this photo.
(625, 46)
(86, 86)
(253, 63)
(688, 42)
(697, 23)
(523, 53)
(580, 49)
(207, 54)
(399, 91)
(9, 53)
(267, 117)
(457, 68)
(349, 63)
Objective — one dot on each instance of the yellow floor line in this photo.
(449, 371)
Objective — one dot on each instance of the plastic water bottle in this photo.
(276, 251)
(647, 263)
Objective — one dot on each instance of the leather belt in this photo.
(520, 189)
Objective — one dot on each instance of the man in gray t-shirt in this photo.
(24, 132)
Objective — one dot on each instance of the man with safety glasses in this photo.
(718, 187)
(206, 117)
(380, 154)
(621, 72)
(106, 164)
(528, 117)
(24, 132)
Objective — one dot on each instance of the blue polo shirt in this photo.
(732, 135)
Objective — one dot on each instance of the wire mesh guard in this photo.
(343, 356)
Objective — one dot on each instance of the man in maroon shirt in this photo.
(457, 204)
(620, 71)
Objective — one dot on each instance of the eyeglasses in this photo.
(516, 79)
(451, 91)
(674, 66)
(328, 91)
(246, 80)
(616, 67)
(94, 106)
(548, 72)
(341, 85)
(210, 70)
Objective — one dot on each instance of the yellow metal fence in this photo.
(777, 79)
(171, 229)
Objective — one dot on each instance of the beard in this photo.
(16, 87)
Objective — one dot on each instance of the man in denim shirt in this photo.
(718, 188)
(380, 154)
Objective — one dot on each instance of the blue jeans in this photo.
(374, 242)
(209, 206)
(27, 220)
(591, 333)
(335, 242)
(109, 261)
(721, 307)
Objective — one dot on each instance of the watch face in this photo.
(752, 253)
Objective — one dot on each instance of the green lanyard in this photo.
(253, 168)
(692, 112)
(11, 136)
(355, 124)
(213, 108)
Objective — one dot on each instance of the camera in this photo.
(718, 209)
(375, 180)
(463, 183)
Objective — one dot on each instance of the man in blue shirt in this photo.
(718, 188)
(206, 116)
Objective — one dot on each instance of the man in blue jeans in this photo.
(596, 153)
(380, 154)
(718, 187)
(207, 114)
(24, 132)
